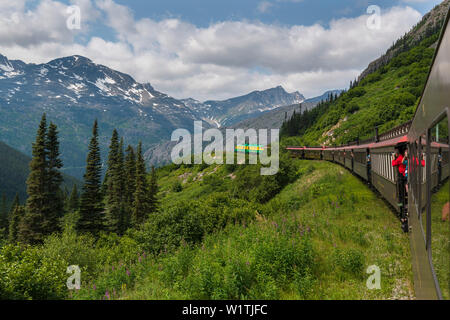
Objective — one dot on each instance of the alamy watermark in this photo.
(374, 20)
(74, 281)
(73, 22)
(374, 280)
(213, 153)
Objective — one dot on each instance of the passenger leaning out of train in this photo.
(405, 163)
(397, 161)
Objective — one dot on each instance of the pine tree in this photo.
(15, 222)
(15, 203)
(55, 196)
(153, 192)
(3, 217)
(74, 202)
(140, 203)
(32, 224)
(114, 189)
(130, 173)
(130, 183)
(91, 207)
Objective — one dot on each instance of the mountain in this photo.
(14, 170)
(231, 111)
(73, 92)
(271, 119)
(385, 95)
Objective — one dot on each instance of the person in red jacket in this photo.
(397, 161)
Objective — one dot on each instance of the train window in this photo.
(440, 205)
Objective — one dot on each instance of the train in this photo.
(372, 162)
(426, 138)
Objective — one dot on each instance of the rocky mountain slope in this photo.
(231, 111)
(73, 92)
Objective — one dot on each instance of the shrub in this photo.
(26, 274)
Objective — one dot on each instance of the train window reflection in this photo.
(440, 206)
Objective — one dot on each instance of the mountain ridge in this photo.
(74, 91)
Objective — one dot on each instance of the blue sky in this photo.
(287, 12)
(213, 49)
(203, 13)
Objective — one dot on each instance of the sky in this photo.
(213, 49)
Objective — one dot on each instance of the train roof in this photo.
(373, 145)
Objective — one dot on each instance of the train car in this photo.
(340, 156)
(360, 165)
(445, 166)
(313, 153)
(328, 154)
(383, 174)
(296, 152)
(432, 115)
(348, 159)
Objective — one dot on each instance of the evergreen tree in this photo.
(140, 203)
(55, 196)
(15, 222)
(153, 191)
(91, 207)
(130, 183)
(130, 173)
(15, 203)
(3, 217)
(114, 189)
(74, 202)
(32, 224)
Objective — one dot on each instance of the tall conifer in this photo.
(153, 191)
(31, 228)
(74, 202)
(15, 222)
(54, 196)
(114, 186)
(140, 203)
(91, 207)
(3, 216)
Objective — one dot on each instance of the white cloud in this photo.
(222, 60)
(264, 6)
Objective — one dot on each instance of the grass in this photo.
(440, 245)
(314, 240)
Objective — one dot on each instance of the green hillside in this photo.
(225, 232)
(386, 94)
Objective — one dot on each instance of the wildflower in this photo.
(128, 272)
(139, 259)
(107, 295)
(247, 263)
(94, 287)
(112, 268)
